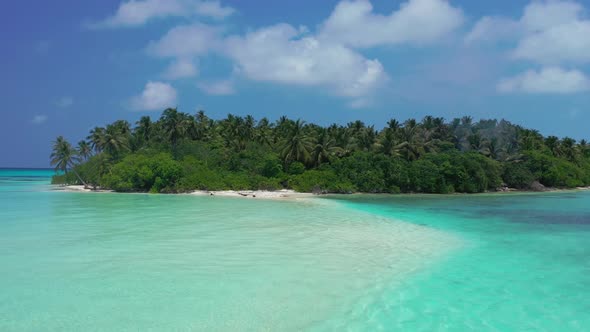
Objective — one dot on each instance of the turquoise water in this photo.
(110, 262)
(526, 267)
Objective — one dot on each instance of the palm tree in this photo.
(552, 142)
(342, 138)
(530, 139)
(428, 122)
(467, 122)
(121, 126)
(96, 138)
(477, 144)
(462, 129)
(248, 127)
(366, 139)
(356, 128)
(584, 148)
(568, 149)
(393, 124)
(411, 148)
(115, 140)
(201, 125)
(324, 148)
(282, 128)
(390, 144)
(426, 140)
(84, 150)
(441, 130)
(262, 134)
(201, 117)
(297, 145)
(494, 150)
(175, 125)
(144, 129)
(235, 131)
(64, 157)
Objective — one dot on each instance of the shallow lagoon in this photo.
(79, 261)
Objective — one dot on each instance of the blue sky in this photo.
(67, 66)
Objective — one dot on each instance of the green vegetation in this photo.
(181, 152)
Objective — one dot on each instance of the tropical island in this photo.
(182, 153)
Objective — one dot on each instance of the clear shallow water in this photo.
(526, 268)
(86, 261)
(77, 261)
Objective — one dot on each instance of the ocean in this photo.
(112, 262)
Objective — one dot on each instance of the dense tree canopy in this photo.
(181, 152)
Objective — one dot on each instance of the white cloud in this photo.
(563, 43)
(65, 102)
(181, 68)
(156, 96)
(557, 32)
(542, 15)
(138, 12)
(282, 54)
(549, 32)
(186, 41)
(547, 80)
(218, 88)
(213, 9)
(353, 23)
(490, 29)
(39, 119)
(326, 59)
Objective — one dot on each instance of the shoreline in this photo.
(252, 194)
(289, 194)
(263, 194)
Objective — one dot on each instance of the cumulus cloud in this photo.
(549, 32)
(218, 88)
(39, 119)
(181, 68)
(564, 43)
(327, 58)
(543, 15)
(557, 32)
(213, 9)
(138, 12)
(354, 23)
(491, 29)
(282, 54)
(547, 80)
(156, 96)
(186, 41)
(64, 102)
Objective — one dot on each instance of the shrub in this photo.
(517, 175)
(316, 180)
(159, 173)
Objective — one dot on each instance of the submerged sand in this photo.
(251, 264)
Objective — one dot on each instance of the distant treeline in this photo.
(181, 152)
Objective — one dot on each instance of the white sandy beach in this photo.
(253, 194)
(279, 194)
